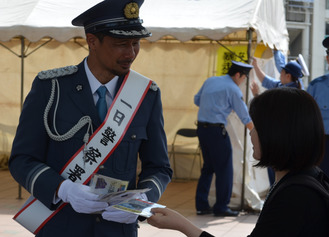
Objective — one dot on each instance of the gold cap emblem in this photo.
(131, 10)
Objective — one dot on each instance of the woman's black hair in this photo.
(290, 129)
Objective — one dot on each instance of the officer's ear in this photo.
(91, 40)
(237, 75)
(240, 74)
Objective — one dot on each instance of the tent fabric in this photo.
(182, 19)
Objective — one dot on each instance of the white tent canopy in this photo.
(182, 19)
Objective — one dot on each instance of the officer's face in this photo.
(239, 78)
(285, 77)
(113, 56)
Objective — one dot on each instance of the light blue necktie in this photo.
(101, 103)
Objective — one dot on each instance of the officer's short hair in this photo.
(240, 67)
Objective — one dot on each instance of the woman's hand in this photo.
(165, 218)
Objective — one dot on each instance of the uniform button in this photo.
(133, 137)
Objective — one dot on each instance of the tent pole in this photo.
(22, 56)
(22, 69)
(242, 206)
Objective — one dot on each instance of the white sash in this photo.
(34, 215)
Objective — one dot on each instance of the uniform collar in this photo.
(289, 84)
(95, 84)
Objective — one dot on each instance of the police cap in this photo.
(325, 42)
(294, 69)
(116, 18)
(241, 67)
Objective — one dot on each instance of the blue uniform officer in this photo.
(280, 62)
(216, 99)
(290, 75)
(319, 89)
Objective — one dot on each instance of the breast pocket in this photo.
(124, 158)
(324, 107)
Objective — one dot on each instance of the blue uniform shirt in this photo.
(217, 98)
(319, 89)
(280, 60)
(270, 83)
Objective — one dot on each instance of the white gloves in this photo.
(116, 215)
(83, 200)
(113, 214)
(80, 197)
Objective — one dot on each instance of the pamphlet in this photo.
(138, 206)
(101, 184)
(115, 193)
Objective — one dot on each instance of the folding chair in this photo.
(185, 149)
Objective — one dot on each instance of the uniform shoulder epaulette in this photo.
(57, 72)
(154, 86)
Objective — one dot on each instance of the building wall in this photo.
(308, 24)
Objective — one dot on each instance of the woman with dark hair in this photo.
(290, 76)
(293, 146)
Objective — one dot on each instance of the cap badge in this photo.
(131, 10)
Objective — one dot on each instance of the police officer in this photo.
(289, 76)
(61, 112)
(319, 89)
(216, 99)
(280, 62)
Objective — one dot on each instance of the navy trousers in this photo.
(217, 156)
